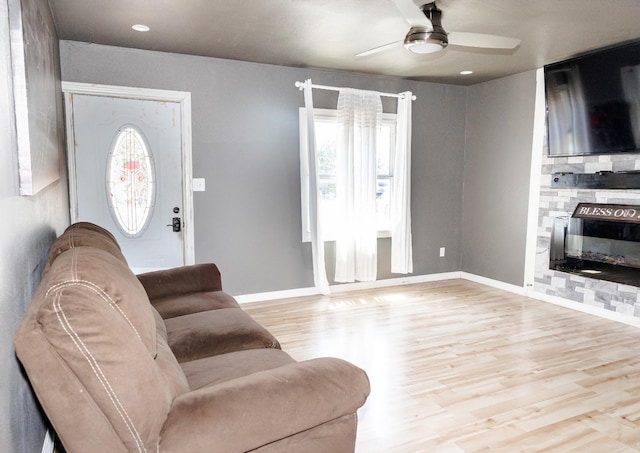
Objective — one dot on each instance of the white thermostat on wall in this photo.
(197, 185)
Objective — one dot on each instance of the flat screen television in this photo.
(593, 103)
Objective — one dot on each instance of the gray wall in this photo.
(245, 143)
(29, 223)
(497, 165)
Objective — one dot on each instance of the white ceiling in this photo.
(329, 33)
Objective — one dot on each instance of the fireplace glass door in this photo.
(599, 241)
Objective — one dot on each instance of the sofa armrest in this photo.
(254, 410)
(181, 280)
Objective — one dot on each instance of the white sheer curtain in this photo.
(359, 121)
(401, 251)
(315, 214)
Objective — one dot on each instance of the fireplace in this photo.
(600, 241)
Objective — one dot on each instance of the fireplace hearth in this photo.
(599, 241)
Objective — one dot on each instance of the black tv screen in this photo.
(593, 103)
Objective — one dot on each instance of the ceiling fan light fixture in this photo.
(422, 41)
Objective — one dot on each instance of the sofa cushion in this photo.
(84, 234)
(166, 360)
(225, 367)
(202, 277)
(213, 332)
(242, 414)
(173, 306)
(89, 342)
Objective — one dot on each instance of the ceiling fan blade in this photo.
(412, 13)
(378, 49)
(460, 38)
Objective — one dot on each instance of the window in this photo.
(326, 132)
(130, 182)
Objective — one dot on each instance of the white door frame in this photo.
(181, 97)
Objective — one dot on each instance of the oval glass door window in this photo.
(131, 181)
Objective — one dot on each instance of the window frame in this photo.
(331, 115)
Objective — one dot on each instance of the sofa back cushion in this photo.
(85, 234)
(90, 345)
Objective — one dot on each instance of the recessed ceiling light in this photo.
(466, 72)
(140, 27)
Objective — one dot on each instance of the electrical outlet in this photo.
(441, 252)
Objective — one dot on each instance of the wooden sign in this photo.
(608, 212)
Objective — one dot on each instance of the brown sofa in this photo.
(168, 362)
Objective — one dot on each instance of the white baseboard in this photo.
(494, 283)
(408, 280)
(566, 303)
(584, 308)
(285, 294)
(522, 291)
(341, 288)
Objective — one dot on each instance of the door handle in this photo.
(176, 224)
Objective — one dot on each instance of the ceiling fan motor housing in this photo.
(427, 40)
(423, 35)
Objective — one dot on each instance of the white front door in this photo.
(127, 175)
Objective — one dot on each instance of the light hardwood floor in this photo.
(456, 366)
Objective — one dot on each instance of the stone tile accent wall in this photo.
(560, 202)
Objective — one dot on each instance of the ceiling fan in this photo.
(427, 35)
